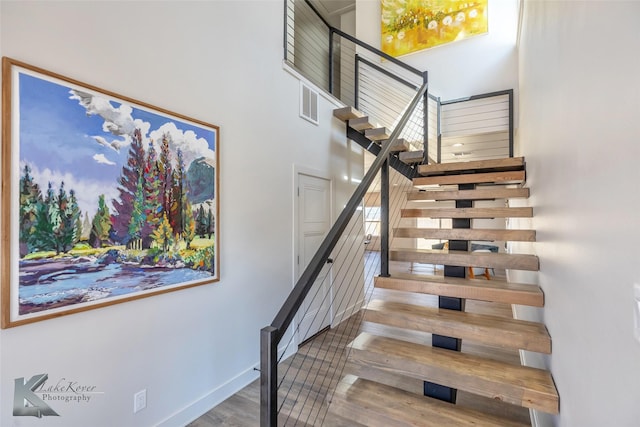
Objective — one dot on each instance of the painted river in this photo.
(46, 284)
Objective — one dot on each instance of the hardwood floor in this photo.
(309, 378)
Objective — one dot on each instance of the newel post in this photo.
(268, 377)
(384, 219)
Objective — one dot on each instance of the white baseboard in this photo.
(210, 400)
(352, 309)
(216, 396)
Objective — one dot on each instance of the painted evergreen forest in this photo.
(138, 213)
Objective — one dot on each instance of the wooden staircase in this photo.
(383, 367)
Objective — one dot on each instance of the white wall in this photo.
(480, 64)
(579, 131)
(220, 62)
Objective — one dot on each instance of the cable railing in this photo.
(305, 350)
(281, 394)
(477, 127)
(355, 72)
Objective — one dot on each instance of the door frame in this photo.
(297, 171)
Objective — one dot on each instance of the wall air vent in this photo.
(308, 103)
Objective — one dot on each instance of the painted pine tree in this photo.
(189, 232)
(30, 201)
(101, 224)
(128, 181)
(177, 214)
(165, 176)
(42, 237)
(151, 190)
(163, 234)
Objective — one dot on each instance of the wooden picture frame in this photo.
(105, 199)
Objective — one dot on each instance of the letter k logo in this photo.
(26, 402)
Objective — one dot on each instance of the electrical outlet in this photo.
(139, 401)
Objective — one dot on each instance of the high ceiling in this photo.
(332, 9)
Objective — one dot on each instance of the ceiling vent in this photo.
(308, 103)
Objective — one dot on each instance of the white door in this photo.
(314, 222)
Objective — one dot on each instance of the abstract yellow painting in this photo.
(412, 25)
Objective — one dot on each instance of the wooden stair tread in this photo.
(347, 113)
(483, 328)
(467, 259)
(493, 165)
(519, 385)
(411, 157)
(360, 400)
(466, 234)
(400, 145)
(522, 212)
(360, 123)
(377, 134)
(478, 289)
(478, 194)
(509, 177)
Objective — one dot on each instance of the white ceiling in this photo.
(333, 8)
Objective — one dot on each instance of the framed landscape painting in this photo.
(412, 25)
(105, 199)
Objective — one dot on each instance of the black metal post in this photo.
(438, 391)
(425, 123)
(511, 125)
(384, 219)
(268, 377)
(438, 120)
(286, 22)
(356, 82)
(331, 70)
